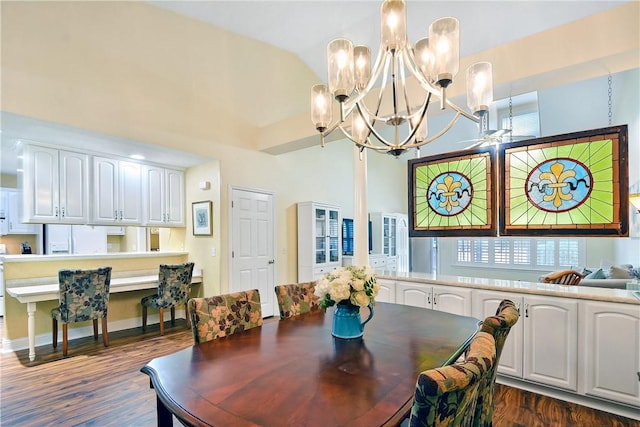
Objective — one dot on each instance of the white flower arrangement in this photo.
(357, 285)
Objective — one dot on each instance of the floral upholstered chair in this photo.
(84, 295)
(447, 396)
(498, 326)
(296, 299)
(223, 315)
(174, 288)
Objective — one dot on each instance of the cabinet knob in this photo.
(271, 261)
(115, 215)
(62, 213)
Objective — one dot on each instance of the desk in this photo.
(30, 295)
(292, 372)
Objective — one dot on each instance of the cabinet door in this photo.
(41, 185)
(129, 193)
(387, 291)
(4, 212)
(105, 190)
(413, 294)
(14, 215)
(611, 353)
(174, 197)
(551, 341)
(485, 304)
(154, 195)
(73, 178)
(452, 300)
(333, 237)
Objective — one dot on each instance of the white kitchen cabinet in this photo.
(14, 215)
(551, 341)
(163, 197)
(485, 304)
(543, 345)
(610, 354)
(117, 191)
(386, 291)
(55, 185)
(319, 246)
(449, 299)
(4, 212)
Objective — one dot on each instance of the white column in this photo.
(360, 213)
(31, 329)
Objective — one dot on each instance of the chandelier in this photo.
(433, 63)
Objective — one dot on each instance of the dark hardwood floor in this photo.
(98, 386)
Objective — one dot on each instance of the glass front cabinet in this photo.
(319, 246)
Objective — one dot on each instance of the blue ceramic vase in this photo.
(346, 321)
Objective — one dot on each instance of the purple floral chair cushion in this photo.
(84, 295)
(296, 299)
(174, 286)
(498, 326)
(219, 316)
(447, 396)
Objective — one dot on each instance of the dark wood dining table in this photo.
(293, 372)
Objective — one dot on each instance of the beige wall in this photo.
(122, 306)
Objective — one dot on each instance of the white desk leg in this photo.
(31, 328)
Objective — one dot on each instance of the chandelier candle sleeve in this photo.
(481, 93)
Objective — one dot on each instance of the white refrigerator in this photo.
(74, 239)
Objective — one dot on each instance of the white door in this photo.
(252, 245)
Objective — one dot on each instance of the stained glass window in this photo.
(569, 184)
(452, 194)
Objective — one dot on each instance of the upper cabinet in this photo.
(117, 190)
(11, 214)
(55, 184)
(163, 197)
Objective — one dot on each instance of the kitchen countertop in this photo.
(565, 291)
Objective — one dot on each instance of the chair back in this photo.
(447, 396)
(563, 277)
(174, 284)
(296, 299)
(498, 326)
(223, 315)
(84, 294)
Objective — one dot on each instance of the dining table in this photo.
(293, 372)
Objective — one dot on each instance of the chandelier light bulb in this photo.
(320, 107)
(362, 66)
(393, 25)
(340, 68)
(444, 36)
(479, 88)
(359, 128)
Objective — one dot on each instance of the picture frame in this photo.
(202, 218)
(467, 208)
(573, 184)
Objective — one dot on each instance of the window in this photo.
(520, 253)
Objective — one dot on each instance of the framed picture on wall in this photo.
(573, 184)
(453, 194)
(202, 218)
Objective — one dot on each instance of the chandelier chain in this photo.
(610, 91)
(510, 119)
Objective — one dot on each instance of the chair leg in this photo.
(105, 333)
(95, 329)
(144, 318)
(186, 314)
(54, 327)
(65, 342)
(161, 321)
(173, 315)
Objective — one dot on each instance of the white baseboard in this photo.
(86, 331)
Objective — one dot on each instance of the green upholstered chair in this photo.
(296, 299)
(223, 315)
(84, 295)
(174, 288)
(498, 326)
(447, 396)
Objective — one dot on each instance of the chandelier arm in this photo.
(379, 66)
(404, 85)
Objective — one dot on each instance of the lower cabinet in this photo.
(610, 339)
(443, 298)
(387, 290)
(543, 345)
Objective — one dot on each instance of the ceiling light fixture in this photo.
(433, 63)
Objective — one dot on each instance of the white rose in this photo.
(340, 290)
(360, 299)
(358, 284)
